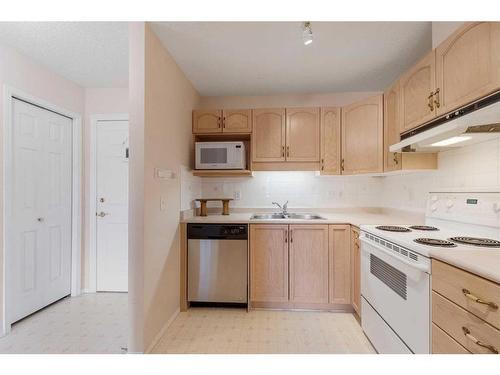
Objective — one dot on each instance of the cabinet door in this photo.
(362, 136)
(339, 243)
(468, 65)
(309, 263)
(330, 140)
(356, 270)
(268, 135)
(268, 263)
(207, 121)
(237, 121)
(302, 134)
(392, 160)
(417, 84)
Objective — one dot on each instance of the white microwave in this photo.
(220, 155)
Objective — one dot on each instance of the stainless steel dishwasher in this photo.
(217, 263)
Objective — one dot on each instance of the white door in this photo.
(112, 206)
(40, 258)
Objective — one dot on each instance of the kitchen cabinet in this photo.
(465, 308)
(396, 161)
(207, 121)
(339, 239)
(362, 136)
(416, 88)
(309, 263)
(268, 263)
(222, 121)
(237, 121)
(330, 141)
(355, 270)
(268, 135)
(467, 65)
(302, 134)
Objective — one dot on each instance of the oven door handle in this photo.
(387, 252)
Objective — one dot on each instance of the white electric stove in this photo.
(396, 267)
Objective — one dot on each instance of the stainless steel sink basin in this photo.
(288, 216)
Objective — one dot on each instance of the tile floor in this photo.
(202, 330)
(90, 323)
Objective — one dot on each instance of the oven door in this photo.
(396, 301)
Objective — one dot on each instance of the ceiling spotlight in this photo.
(307, 34)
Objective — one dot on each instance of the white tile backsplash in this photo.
(466, 167)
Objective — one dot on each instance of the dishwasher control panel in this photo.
(217, 231)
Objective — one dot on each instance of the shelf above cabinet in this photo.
(223, 173)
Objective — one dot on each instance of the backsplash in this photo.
(468, 167)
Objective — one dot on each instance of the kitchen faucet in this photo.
(284, 208)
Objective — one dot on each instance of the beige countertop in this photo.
(485, 262)
(342, 216)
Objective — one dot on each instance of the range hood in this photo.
(474, 123)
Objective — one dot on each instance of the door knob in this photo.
(40, 219)
(102, 214)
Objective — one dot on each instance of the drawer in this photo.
(454, 283)
(442, 343)
(467, 329)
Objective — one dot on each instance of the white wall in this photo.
(441, 31)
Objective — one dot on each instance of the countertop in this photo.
(355, 218)
(484, 262)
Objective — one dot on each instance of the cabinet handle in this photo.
(286, 236)
(291, 236)
(282, 151)
(287, 151)
(322, 164)
(474, 298)
(430, 104)
(224, 122)
(436, 100)
(396, 161)
(467, 334)
(342, 165)
(219, 122)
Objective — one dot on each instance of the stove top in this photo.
(392, 228)
(423, 227)
(434, 242)
(476, 241)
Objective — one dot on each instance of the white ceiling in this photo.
(262, 58)
(92, 54)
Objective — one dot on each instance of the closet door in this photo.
(39, 259)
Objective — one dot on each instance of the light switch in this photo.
(237, 195)
(163, 204)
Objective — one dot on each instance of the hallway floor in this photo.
(90, 323)
(203, 330)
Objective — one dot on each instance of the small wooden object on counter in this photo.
(225, 205)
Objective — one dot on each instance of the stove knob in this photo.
(433, 207)
(449, 203)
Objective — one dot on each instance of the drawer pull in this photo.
(467, 334)
(472, 297)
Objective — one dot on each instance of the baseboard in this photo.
(86, 291)
(160, 334)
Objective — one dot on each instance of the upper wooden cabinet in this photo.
(416, 87)
(362, 136)
(309, 263)
(330, 140)
(222, 121)
(237, 121)
(467, 65)
(268, 135)
(339, 242)
(302, 134)
(392, 160)
(207, 121)
(268, 263)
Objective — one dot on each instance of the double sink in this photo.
(291, 216)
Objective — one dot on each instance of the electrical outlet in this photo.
(237, 195)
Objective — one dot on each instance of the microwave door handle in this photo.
(417, 266)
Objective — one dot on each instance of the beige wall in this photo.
(98, 101)
(303, 100)
(160, 113)
(19, 72)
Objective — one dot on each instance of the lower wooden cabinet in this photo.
(300, 266)
(355, 270)
(309, 263)
(268, 263)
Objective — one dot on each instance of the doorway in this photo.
(109, 200)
